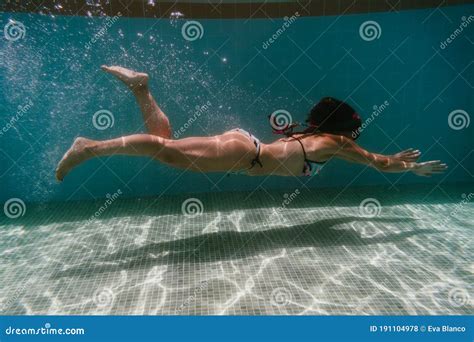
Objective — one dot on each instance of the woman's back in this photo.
(286, 156)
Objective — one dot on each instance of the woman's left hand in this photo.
(429, 168)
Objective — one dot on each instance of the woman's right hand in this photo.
(426, 169)
(410, 155)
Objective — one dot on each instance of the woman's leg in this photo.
(155, 119)
(227, 152)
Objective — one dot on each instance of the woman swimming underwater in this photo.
(332, 128)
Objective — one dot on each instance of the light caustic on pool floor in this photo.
(408, 259)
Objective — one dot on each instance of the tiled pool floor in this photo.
(324, 253)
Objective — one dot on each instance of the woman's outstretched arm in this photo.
(347, 149)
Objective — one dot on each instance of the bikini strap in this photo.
(256, 160)
(302, 147)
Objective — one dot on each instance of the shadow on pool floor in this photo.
(231, 245)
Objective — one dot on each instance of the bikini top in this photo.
(310, 167)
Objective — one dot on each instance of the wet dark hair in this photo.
(331, 115)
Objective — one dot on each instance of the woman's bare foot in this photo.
(76, 154)
(131, 78)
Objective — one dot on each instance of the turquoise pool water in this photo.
(56, 66)
(129, 236)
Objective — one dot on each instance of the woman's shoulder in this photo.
(325, 143)
(316, 138)
(325, 136)
(311, 136)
